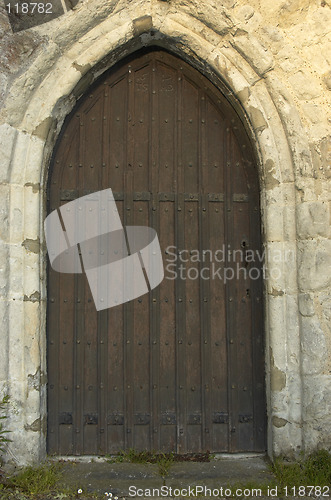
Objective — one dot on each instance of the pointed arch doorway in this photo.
(181, 368)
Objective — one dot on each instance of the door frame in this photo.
(33, 142)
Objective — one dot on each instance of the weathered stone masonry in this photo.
(272, 57)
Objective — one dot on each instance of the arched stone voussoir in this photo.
(214, 52)
(74, 54)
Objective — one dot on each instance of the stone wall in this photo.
(272, 58)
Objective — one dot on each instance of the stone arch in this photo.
(244, 70)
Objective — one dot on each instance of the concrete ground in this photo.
(184, 479)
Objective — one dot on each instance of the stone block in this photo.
(313, 346)
(327, 79)
(292, 321)
(31, 206)
(317, 412)
(34, 156)
(215, 17)
(254, 52)
(271, 174)
(236, 68)
(314, 264)
(274, 37)
(321, 20)
(281, 194)
(26, 82)
(4, 269)
(306, 189)
(31, 283)
(19, 158)
(7, 142)
(274, 222)
(279, 403)
(325, 155)
(279, 223)
(31, 336)
(16, 341)
(287, 440)
(187, 37)
(16, 262)
(317, 402)
(16, 214)
(259, 121)
(22, 415)
(313, 220)
(289, 223)
(276, 330)
(306, 304)
(288, 59)
(251, 19)
(4, 324)
(280, 268)
(277, 378)
(324, 301)
(323, 311)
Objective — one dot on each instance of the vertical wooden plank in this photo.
(166, 142)
(117, 391)
(243, 322)
(68, 181)
(115, 142)
(218, 332)
(92, 146)
(192, 331)
(229, 294)
(142, 361)
(53, 308)
(214, 186)
(79, 296)
(192, 309)
(129, 347)
(214, 178)
(102, 316)
(140, 122)
(60, 319)
(53, 361)
(168, 373)
(65, 353)
(259, 394)
(245, 164)
(180, 286)
(243, 328)
(92, 152)
(140, 131)
(116, 158)
(204, 284)
(154, 221)
(165, 146)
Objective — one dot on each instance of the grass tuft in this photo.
(34, 481)
(314, 471)
(162, 460)
(3, 439)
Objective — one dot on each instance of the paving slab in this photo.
(184, 479)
